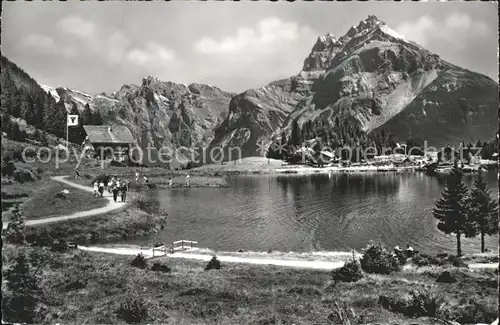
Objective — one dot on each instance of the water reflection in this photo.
(297, 213)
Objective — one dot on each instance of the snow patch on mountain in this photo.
(391, 32)
(52, 91)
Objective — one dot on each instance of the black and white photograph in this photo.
(250, 162)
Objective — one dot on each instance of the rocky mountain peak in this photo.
(149, 80)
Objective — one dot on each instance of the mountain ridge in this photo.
(369, 80)
(369, 77)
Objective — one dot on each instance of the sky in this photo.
(99, 46)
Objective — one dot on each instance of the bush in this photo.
(417, 303)
(438, 260)
(376, 259)
(139, 261)
(343, 314)
(214, 263)
(132, 311)
(350, 272)
(23, 176)
(158, 267)
(148, 204)
(447, 277)
(8, 167)
(420, 260)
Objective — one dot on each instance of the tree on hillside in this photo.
(16, 228)
(295, 136)
(20, 304)
(39, 113)
(452, 209)
(97, 119)
(483, 210)
(56, 119)
(87, 116)
(28, 110)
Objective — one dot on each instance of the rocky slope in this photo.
(374, 78)
(163, 114)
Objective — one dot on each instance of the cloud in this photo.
(47, 45)
(451, 30)
(269, 35)
(115, 46)
(254, 55)
(77, 26)
(152, 53)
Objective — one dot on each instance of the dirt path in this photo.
(297, 263)
(112, 205)
(148, 253)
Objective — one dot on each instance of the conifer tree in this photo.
(483, 210)
(27, 109)
(452, 209)
(23, 285)
(295, 137)
(97, 119)
(39, 108)
(87, 116)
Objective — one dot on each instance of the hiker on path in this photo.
(145, 181)
(124, 189)
(170, 182)
(96, 188)
(110, 186)
(187, 180)
(101, 188)
(136, 177)
(116, 189)
(77, 171)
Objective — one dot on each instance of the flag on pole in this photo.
(72, 120)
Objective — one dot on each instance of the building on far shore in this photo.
(109, 141)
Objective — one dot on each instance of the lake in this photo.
(332, 212)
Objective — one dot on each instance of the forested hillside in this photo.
(24, 99)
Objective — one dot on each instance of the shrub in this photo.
(469, 311)
(158, 267)
(447, 277)
(438, 260)
(343, 314)
(132, 311)
(376, 259)
(139, 261)
(417, 303)
(420, 260)
(8, 167)
(23, 176)
(350, 272)
(214, 263)
(148, 204)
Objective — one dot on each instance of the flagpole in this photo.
(67, 133)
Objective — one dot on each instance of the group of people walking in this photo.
(114, 186)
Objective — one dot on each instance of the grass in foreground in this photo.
(78, 287)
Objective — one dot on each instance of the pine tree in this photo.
(87, 116)
(16, 228)
(27, 109)
(23, 285)
(483, 210)
(295, 136)
(452, 209)
(39, 113)
(97, 120)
